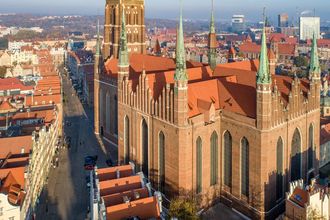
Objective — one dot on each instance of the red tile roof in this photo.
(13, 83)
(149, 63)
(249, 47)
(287, 49)
(14, 145)
(146, 208)
(6, 106)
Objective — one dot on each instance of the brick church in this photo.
(232, 131)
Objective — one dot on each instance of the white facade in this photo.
(324, 153)
(24, 57)
(308, 27)
(16, 45)
(319, 204)
(8, 211)
(43, 151)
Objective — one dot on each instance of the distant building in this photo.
(238, 23)
(308, 27)
(289, 31)
(283, 20)
(324, 145)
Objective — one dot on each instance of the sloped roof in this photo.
(149, 63)
(13, 83)
(6, 106)
(299, 196)
(14, 145)
(287, 49)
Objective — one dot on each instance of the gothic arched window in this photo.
(245, 166)
(199, 165)
(161, 150)
(279, 169)
(227, 154)
(126, 140)
(310, 147)
(296, 156)
(214, 158)
(145, 148)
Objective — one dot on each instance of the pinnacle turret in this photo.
(180, 71)
(212, 24)
(212, 44)
(263, 74)
(314, 68)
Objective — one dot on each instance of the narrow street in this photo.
(66, 195)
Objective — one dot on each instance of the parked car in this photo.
(90, 161)
(89, 167)
(109, 162)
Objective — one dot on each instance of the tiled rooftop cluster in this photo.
(121, 193)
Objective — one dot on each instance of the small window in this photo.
(12, 218)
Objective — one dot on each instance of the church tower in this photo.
(181, 80)
(135, 27)
(97, 63)
(212, 44)
(264, 94)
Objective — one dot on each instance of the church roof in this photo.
(232, 86)
(150, 63)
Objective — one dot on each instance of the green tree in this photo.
(3, 71)
(3, 43)
(26, 34)
(300, 61)
(183, 209)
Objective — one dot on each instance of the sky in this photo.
(193, 9)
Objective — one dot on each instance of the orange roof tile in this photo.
(108, 187)
(6, 106)
(287, 49)
(149, 63)
(14, 145)
(143, 208)
(249, 47)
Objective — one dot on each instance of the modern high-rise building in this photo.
(308, 27)
(283, 20)
(238, 23)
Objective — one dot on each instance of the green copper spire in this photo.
(212, 44)
(123, 52)
(212, 25)
(98, 46)
(263, 74)
(314, 68)
(180, 71)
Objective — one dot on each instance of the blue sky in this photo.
(169, 8)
